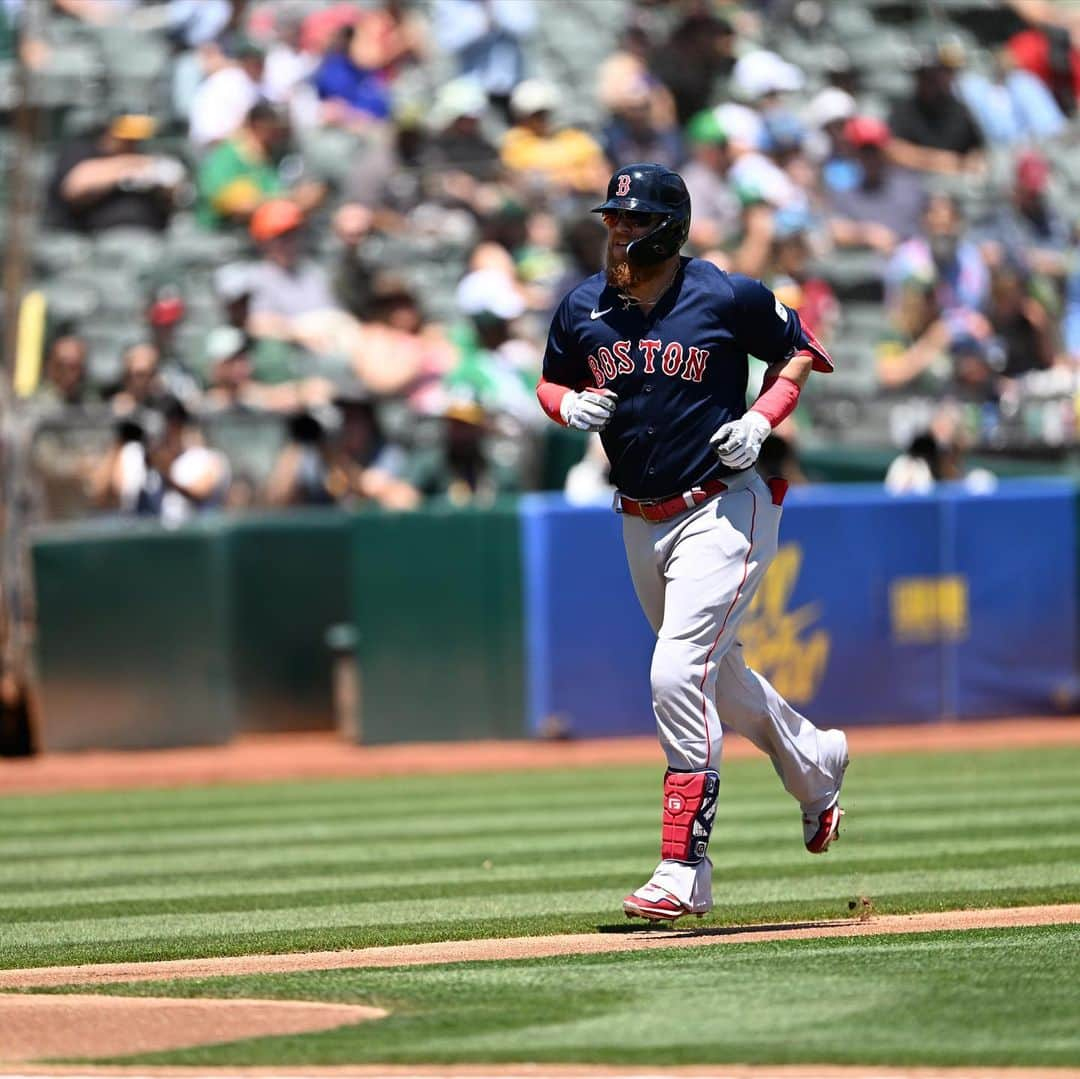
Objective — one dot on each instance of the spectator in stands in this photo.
(918, 470)
(461, 164)
(885, 206)
(377, 466)
(497, 367)
(629, 65)
(288, 67)
(354, 275)
(539, 155)
(790, 277)
(458, 143)
(1021, 321)
(913, 351)
(932, 129)
(941, 254)
(698, 54)
(241, 172)
(717, 210)
(141, 384)
(291, 296)
(353, 93)
(826, 116)
(1029, 229)
(485, 38)
(1012, 105)
(172, 475)
(231, 87)
(1048, 48)
(398, 353)
(633, 134)
(111, 181)
(232, 287)
(583, 241)
(308, 471)
(976, 364)
(232, 385)
(65, 384)
(763, 80)
(462, 469)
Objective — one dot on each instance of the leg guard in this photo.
(689, 810)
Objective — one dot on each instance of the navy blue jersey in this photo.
(680, 371)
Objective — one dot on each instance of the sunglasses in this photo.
(636, 218)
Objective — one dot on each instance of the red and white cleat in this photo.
(655, 904)
(820, 832)
(820, 829)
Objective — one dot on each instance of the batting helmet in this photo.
(651, 189)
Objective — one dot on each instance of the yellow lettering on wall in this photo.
(929, 609)
(779, 643)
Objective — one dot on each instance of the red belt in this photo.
(671, 507)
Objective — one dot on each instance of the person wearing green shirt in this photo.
(241, 172)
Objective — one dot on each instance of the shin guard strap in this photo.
(689, 810)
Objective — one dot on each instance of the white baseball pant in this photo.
(695, 576)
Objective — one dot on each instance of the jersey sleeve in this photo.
(764, 327)
(563, 363)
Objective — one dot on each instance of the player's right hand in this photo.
(589, 410)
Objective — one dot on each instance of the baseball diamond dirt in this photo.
(38, 1025)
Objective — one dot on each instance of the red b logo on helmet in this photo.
(624, 186)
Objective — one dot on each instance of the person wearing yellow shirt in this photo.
(534, 149)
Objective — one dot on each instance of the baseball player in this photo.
(653, 354)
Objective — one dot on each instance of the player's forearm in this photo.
(550, 395)
(780, 391)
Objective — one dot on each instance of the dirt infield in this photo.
(261, 758)
(33, 1027)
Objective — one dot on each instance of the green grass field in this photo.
(234, 870)
(989, 997)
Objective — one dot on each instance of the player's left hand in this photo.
(738, 443)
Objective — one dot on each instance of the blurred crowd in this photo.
(343, 226)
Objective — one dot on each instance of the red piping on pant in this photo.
(723, 626)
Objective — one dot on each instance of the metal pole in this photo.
(14, 669)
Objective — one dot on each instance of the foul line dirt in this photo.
(325, 755)
(469, 951)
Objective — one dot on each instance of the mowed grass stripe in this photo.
(469, 791)
(313, 891)
(198, 879)
(350, 878)
(172, 850)
(540, 847)
(608, 918)
(103, 831)
(501, 904)
(904, 773)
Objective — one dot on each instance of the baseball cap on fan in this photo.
(863, 131)
(762, 72)
(830, 106)
(489, 292)
(1032, 172)
(533, 96)
(458, 99)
